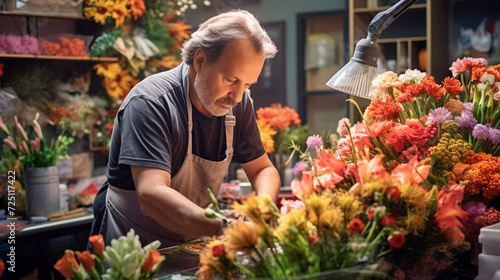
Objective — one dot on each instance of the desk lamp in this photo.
(355, 77)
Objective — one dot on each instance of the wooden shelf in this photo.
(53, 57)
(383, 8)
(400, 39)
(41, 14)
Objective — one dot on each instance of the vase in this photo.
(42, 191)
(284, 169)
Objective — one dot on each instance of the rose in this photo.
(415, 132)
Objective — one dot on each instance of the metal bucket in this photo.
(42, 191)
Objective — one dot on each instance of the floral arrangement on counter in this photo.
(400, 194)
(280, 128)
(125, 259)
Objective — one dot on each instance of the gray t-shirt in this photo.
(151, 130)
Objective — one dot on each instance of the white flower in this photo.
(193, 6)
(487, 78)
(481, 86)
(410, 75)
(206, 3)
(497, 96)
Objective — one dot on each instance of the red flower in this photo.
(356, 225)
(432, 88)
(86, 259)
(370, 214)
(66, 264)
(1, 74)
(388, 221)
(393, 193)
(97, 243)
(109, 128)
(397, 240)
(151, 259)
(415, 132)
(2, 267)
(397, 140)
(218, 250)
(313, 239)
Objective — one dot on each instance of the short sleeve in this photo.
(145, 135)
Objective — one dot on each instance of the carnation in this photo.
(343, 127)
(466, 64)
(412, 75)
(439, 116)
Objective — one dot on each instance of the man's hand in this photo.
(263, 176)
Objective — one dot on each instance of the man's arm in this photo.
(168, 207)
(263, 176)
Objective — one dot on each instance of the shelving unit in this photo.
(52, 57)
(421, 30)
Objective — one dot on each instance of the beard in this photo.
(216, 107)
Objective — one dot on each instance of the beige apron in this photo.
(192, 180)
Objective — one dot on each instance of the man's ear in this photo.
(199, 58)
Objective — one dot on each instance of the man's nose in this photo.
(237, 92)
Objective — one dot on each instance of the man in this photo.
(177, 131)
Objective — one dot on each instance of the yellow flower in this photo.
(241, 236)
(332, 218)
(119, 13)
(266, 135)
(415, 222)
(113, 89)
(208, 262)
(415, 195)
(108, 70)
(350, 205)
(100, 12)
(296, 219)
(315, 205)
(257, 208)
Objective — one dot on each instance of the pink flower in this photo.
(20, 129)
(288, 205)
(3, 126)
(345, 148)
(35, 145)
(314, 141)
(411, 172)
(344, 127)
(411, 152)
(361, 137)
(38, 129)
(449, 214)
(304, 186)
(373, 167)
(466, 64)
(9, 142)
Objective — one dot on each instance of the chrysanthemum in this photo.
(350, 204)
(439, 116)
(416, 196)
(315, 205)
(480, 132)
(314, 141)
(453, 86)
(466, 119)
(257, 208)
(331, 218)
(137, 8)
(266, 135)
(415, 221)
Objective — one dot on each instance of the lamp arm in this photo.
(383, 19)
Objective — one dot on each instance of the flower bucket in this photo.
(42, 191)
(285, 170)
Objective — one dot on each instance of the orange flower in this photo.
(97, 243)
(179, 31)
(279, 117)
(151, 259)
(86, 259)
(411, 172)
(383, 110)
(137, 8)
(373, 167)
(1, 69)
(432, 88)
(67, 264)
(453, 86)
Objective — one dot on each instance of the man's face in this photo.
(220, 86)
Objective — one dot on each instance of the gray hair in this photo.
(214, 34)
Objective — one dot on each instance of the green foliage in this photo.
(104, 43)
(284, 139)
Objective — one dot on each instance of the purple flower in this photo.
(299, 167)
(466, 119)
(314, 141)
(475, 208)
(481, 132)
(468, 106)
(344, 127)
(439, 116)
(494, 135)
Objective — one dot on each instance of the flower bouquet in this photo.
(124, 259)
